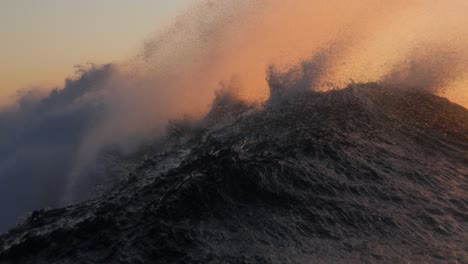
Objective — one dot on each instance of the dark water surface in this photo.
(365, 174)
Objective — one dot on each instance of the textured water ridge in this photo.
(364, 174)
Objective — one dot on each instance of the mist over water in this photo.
(49, 143)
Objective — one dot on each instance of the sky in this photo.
(41, 40)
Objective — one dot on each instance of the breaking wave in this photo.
(51, 145)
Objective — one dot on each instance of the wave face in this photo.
(370, 173)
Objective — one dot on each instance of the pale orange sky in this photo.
(41, 41)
